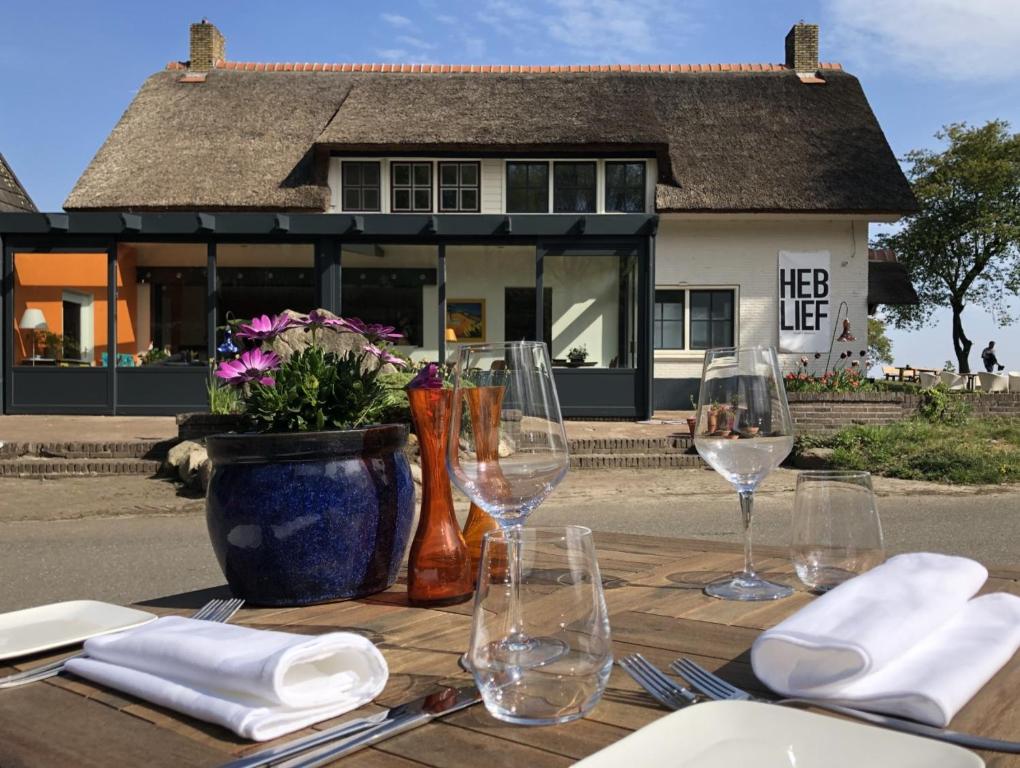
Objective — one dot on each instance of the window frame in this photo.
(594, 186)
(412, 187)
(459, 186)
(643, 186)
(657, 321)
(688, 352)
(362, 187)
(548, 183)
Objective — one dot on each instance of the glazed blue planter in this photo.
(310, 517)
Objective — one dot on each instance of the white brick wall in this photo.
(744, 253)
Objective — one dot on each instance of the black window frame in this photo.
(412, 187)
(361, 186)
(575, 186)
(532, 165)
(460, 187)
(612, 208)
(713, 342)
(659, 322)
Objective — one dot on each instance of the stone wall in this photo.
(825, 412)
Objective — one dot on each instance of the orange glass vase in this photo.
(439, 567)
(485, 405)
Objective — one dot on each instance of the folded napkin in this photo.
(258, 683)
(904, 638)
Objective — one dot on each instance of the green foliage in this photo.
(318, 390)
(963, 246)
(395, 406)
(223, 399)
(940, 406)
(839, 380)
(979, 451)
(879, 345)
(153, 356)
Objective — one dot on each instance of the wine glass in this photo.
(530, 461)
(744, 431)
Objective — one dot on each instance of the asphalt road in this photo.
(131, 539)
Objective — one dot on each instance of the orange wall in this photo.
(41, 278)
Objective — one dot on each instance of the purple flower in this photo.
(384, 355)
(253, 365)
(316, 319)
(378, 332)
(264, 328)
(427, 378)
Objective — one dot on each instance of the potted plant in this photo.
(692, 421)
(315, 501)
(578, 354)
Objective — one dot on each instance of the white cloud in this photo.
(396, 19)
(391, 55)
(416, 42)
(592, 30)
(954, 39)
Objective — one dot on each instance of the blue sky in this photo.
(69, 69)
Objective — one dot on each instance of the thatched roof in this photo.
(888, 280)
(727, 141)
(13, 197)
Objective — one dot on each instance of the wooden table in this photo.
(653, 589)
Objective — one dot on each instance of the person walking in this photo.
(989, 359)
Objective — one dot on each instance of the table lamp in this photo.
(451, 335)
(33, 320)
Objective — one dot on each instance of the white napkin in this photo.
(904, 638)
(258, 683)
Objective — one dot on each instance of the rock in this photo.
(204, 473)
(297, 339)
(179, 453)
(814, 458)
(506, 448)
(188, 470)
(416, 473)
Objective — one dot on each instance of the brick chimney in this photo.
(207, 46)
(802, 48)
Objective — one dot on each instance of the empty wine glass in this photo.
(530, 461)
(744, 431)
(836, 533)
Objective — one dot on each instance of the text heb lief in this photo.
(805, 298)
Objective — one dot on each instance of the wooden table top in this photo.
(653, 589)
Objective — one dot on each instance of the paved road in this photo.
(55, 545)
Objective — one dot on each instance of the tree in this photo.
(879, 345)
(963, 246)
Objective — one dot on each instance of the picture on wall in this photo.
(467, 318)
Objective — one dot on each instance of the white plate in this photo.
(728, 734)
(50, 626)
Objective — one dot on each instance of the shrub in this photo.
(939, 406)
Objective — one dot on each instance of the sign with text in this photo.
(804, 299)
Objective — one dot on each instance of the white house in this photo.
(640, 213)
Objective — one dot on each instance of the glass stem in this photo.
(746, 509)
(514, 557)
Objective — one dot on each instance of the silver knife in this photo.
(357, 734)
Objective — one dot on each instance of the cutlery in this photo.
(214, 610)
(663, 689)
(714, 687)
(328, 745)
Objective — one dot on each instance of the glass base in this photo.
(529, 652)
(748, 587)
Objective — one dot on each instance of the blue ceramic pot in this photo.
(310, 517)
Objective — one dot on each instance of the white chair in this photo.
(952, 380)
(993, 382)
(1014, 381)
(928, 380)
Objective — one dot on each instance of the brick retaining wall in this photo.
(825, 412)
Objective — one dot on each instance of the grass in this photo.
(977, 451)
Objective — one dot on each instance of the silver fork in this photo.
(717, 689)
(218, 610)
(666, 691)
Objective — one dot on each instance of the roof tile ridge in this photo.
(428, 68)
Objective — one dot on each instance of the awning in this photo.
(889, 283)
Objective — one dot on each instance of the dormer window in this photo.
(361, 186)
(625, 187)
(527, 186)
(574, 187)
(410, 187)
(459, 187)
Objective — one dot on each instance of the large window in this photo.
(410, 187)
(574, 187)
(458, 187)
(694, 319)
(361, 186)
(527, 187)
(625, 187)
(389, 296)
(669, 319)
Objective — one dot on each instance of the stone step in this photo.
(636, 461)
(53, 468)
(154, 450)
(631, 445)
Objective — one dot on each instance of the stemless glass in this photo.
(837, 533)
(744, 431)
(531, 457)
(560, 592)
